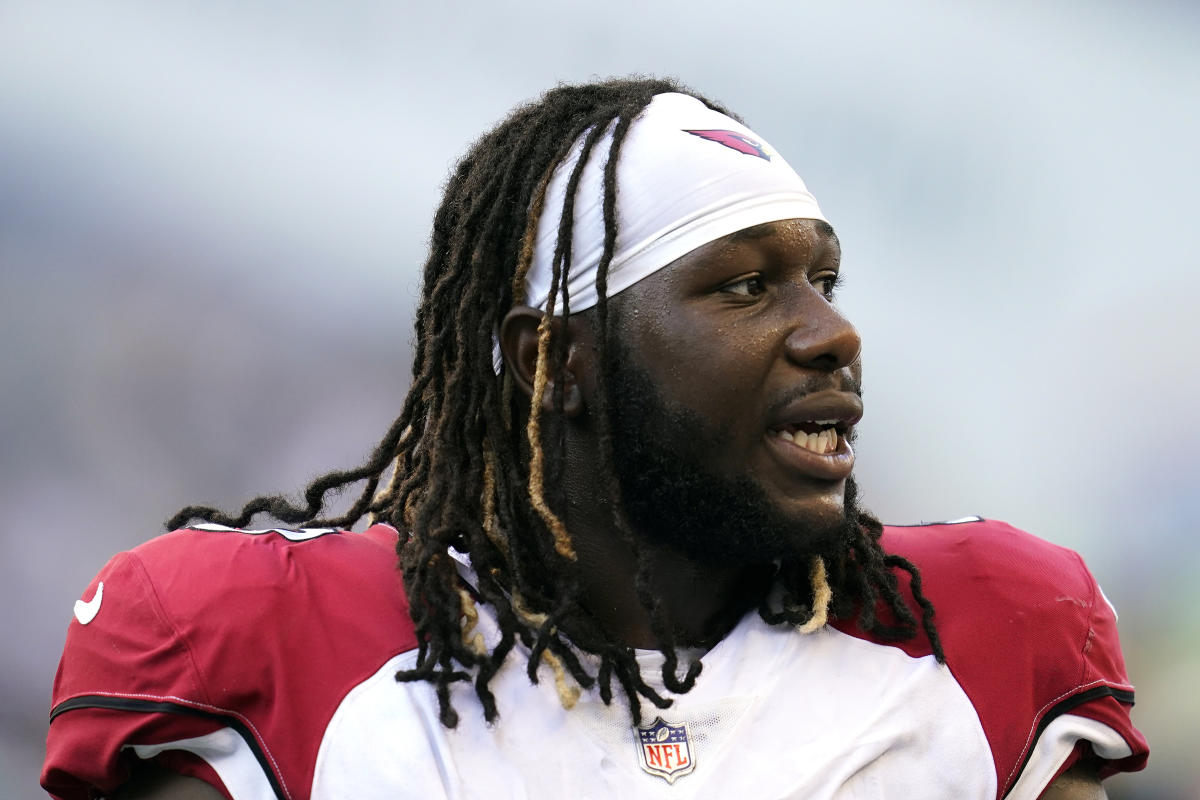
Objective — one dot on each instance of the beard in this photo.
(672, 499)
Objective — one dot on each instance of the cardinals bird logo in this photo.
(734, 141)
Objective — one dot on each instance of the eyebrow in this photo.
(824, 227)
(764, 229)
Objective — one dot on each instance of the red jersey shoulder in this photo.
(263, 632)
(990, 582)
(983, 573)
(207, 593)
(1026, 631)
(217, 581)
(986, 564)
(998, 548)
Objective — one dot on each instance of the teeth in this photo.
(824, 442)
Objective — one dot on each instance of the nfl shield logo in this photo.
(665, 750)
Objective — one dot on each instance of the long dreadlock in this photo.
(463, 475)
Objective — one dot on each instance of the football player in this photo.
(632, 562)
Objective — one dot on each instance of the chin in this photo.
(815, 509)
(816, 505)
(821, 519)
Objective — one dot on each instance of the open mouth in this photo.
(810, 436)
(820, 436)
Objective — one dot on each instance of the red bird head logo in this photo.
(734, 141)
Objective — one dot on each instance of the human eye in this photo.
(828, 283)
(748, 286)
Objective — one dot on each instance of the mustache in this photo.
(847, 383)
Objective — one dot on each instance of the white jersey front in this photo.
(763, 716)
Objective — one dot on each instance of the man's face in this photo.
(721, 362)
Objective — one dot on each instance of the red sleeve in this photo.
(222, 654)
(1033, 642)
(128, 655)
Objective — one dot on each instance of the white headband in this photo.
(686, 176)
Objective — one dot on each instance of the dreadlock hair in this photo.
(464, 476)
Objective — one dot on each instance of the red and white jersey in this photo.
(264, 663)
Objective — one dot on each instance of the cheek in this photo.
(713, 369)
(717, 379)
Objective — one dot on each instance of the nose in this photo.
(821, 338)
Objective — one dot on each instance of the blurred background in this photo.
(213, 216)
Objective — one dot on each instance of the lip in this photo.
(835, 466)
(844, 407)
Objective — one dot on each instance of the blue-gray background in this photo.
(212, 217)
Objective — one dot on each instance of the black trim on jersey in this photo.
(959, 521)
(163, 707)
(1121, 695)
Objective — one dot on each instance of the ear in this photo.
(519, 345)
